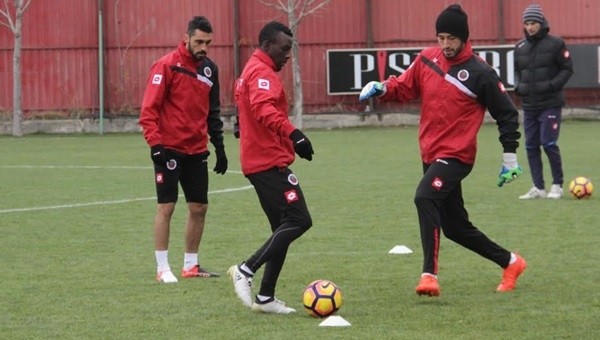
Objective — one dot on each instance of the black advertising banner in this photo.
(350, 69)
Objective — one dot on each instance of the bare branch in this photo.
(137, 35)
(308, 4)
(8, 23)
(26, 5)
(278, 6)
(304, 7)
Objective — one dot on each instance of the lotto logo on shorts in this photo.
(291, 196)
(437, 184)
(159, 178)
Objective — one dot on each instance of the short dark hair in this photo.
(270, 31)
(199, 23)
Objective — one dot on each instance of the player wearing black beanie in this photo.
(456, 88)
(453, 20)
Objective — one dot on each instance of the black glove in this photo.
(302, 145)
(158, 155)
(236, 127)
(221, 166)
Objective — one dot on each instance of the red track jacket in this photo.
(455, 94)
(263, 116)
(181, 103)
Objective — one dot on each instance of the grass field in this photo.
(77, 257)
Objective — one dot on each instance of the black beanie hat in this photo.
(453, 20)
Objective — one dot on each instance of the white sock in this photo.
(263, 298)
(513, 258)
(190, 260)
(162, 260)
(245, 268)
(428, 274)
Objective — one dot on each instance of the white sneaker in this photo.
(556, 192)
(533, 193)
(273, 307)
(166, 277)
(242, 285)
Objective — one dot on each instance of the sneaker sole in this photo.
(201, 275)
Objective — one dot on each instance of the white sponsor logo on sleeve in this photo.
(264, 84)
(157, 79)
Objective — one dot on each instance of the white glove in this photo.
(372, 89)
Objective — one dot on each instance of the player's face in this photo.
(280, 49)
(532, 27)
(197, 44)
(450, 45)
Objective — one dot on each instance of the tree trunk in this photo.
(17, 88)
(298, 95)
(296, 74)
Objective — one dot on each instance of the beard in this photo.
(198, 56)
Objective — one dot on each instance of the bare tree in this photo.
(16, 26)
(296, 10)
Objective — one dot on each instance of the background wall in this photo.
(60, 44)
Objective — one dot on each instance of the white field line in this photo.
(124, 167)
(78, 205)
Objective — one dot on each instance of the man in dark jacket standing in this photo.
(542, 66)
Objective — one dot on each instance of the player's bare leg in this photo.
(162, 226)
(193, 236)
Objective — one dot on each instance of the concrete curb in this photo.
(312, 121)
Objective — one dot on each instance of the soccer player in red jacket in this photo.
(455, 87)
(268, 141)
(180, 113)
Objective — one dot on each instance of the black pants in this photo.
(440, 205)
(283, 202)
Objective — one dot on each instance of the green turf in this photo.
(77, 257)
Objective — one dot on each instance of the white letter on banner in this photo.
(358, 70)
(494, 62)
(404, 61)
(510, 67)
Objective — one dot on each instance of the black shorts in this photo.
(189, 170)
(280, 196)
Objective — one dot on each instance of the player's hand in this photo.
(372, 89)
(158, 155)
(221, 166)
(510, 169)
(236, 128)
(302, 145)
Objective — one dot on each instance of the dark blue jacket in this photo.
(542, 68)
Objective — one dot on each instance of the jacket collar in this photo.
(463, 56)
(185, 55)
(264, 57)
(543, 32)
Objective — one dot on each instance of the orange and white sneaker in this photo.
(196, 271)
(166, 277)
(428, 285)
(511, 274)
